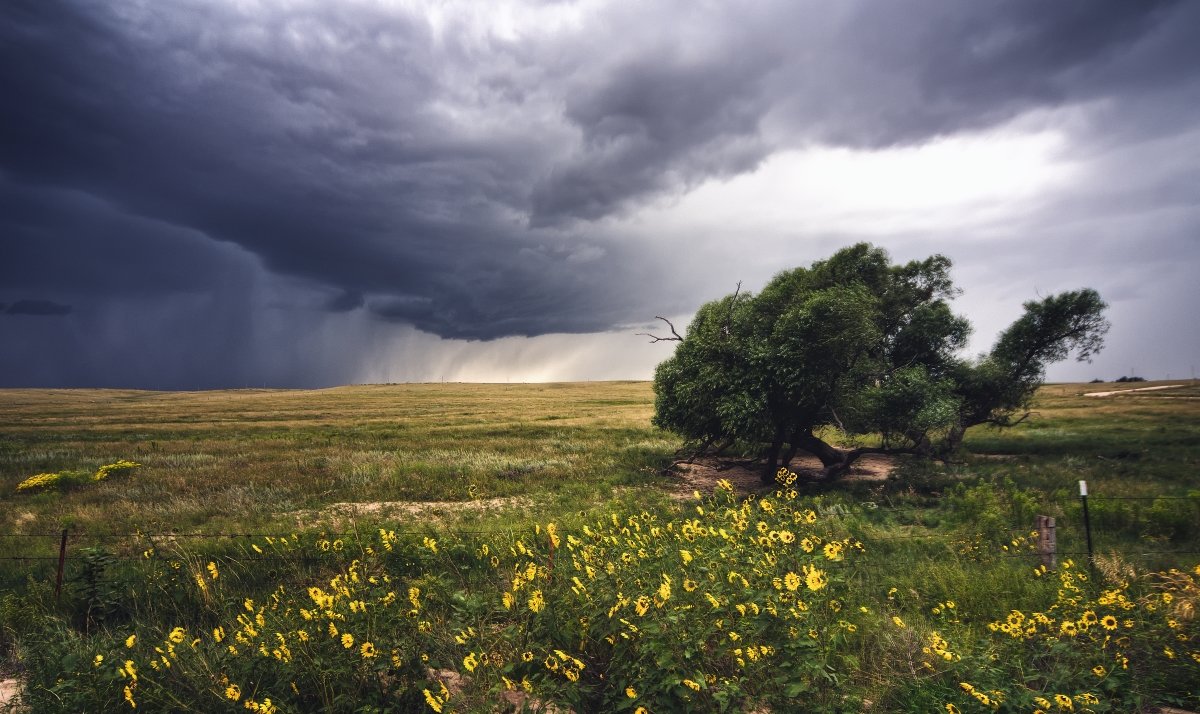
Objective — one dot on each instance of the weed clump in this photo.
(66, 480)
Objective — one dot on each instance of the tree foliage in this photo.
(860, 346)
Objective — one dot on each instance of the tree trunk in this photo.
(768, 474)
(790, 453)
(834, 471)
(954, 439)
(786, 460)
(922, 446)
(828, 455)
(835, 461)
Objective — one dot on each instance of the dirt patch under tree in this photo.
(703, 473)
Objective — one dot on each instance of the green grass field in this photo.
(283, 462)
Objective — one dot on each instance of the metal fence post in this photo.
(1087, 523)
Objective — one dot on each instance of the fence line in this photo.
(1044, 529)
(334, 554)
(77, 538)
(1146, 498)
(834, 510)
(1016, 529)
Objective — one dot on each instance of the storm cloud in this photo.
(36, 307)
(304, 193)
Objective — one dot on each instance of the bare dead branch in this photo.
(732, 304)
(728, 442)
(656, 338)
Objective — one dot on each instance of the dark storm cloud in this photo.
(461, 178)
(347, 301)
(653, 124)
(863, 75)
(37, 307)
(291, 153)
(70, 242)
(928, 69)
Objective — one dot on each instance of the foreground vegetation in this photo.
(598, 591)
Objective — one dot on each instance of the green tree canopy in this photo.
(862, 346)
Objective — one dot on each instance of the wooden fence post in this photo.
(62, 560)
(1047, 543)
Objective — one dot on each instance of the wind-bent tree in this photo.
(861, 346)
(1001, 384)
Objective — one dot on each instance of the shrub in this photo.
(733, 606)
(96, 590)
(992, 507)
(1114, 647)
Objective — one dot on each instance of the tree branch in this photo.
(832, 472)
(1005, 422)
(655, 338)
(732, 304)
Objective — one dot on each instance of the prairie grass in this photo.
(255, 456)
(581, 455)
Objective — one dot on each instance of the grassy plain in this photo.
(275, 460)
(272, 461)
(252, 459)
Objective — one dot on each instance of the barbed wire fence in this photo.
(37, 548)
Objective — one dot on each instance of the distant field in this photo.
(214, 460)
(1135, 444)
(232, 459)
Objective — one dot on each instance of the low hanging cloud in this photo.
(226, 170)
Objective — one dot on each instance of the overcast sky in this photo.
(308, 193)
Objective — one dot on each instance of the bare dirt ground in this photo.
(687, 478)
(9, 700)
(337, 514)
(703, 473)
